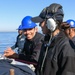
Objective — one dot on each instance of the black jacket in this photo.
(60, 58)
(32, 48)
(42, 53)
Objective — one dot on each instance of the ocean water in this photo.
(7, 39)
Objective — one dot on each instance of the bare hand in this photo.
(8, 52)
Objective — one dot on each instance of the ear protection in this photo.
(51, 24)
(52, 13)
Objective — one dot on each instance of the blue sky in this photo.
(13, 11)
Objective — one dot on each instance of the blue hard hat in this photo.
(71, 22)
(20, 27)
(27, 23)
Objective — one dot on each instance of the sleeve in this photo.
(35, 55)
(15, 45)
(36, 51)
(61, 62)
(66, 61)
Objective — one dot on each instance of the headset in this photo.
(54, 13)
(51, 24)
(51, 18)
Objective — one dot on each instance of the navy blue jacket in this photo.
(5, 67)
(19, 43)
(73, 39)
